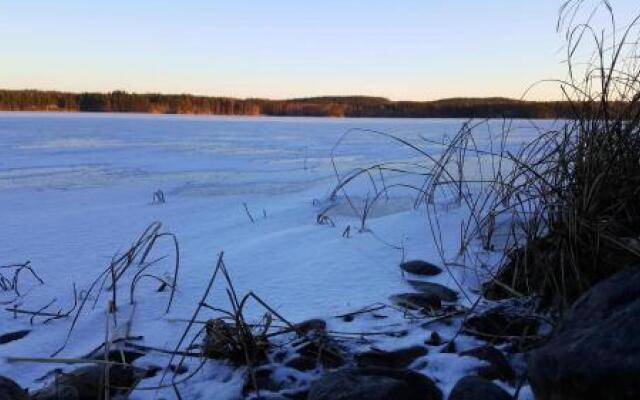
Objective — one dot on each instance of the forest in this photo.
(343, 106)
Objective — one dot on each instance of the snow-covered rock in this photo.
(476, 388)
(374, 384)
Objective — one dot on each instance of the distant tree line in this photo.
(349, 106)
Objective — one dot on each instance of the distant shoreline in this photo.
(97, 114)
(328, 106)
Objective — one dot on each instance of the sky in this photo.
(400, 49)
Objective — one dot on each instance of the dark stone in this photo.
(302, 363)
(121, 356)
(450, 347)
(323, 350)
(263, 381)
(397, 334)
(498, 368)
(87, 383)
(420, 267)
(178, 369)
(311, 325)
(151, 371)
(434, 339)
(498, 323)
(595, 353)
(435, 289)
(9, 390)
(300, 394)
(11, 336)
(417, 301)
(280, 356)
(390, 359)
(264, 395)
(374, 384)
(475, 388)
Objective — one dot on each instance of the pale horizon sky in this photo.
(401, 49)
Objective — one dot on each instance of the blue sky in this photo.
(401, 49)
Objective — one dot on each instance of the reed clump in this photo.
(586, 174)
(563, 209)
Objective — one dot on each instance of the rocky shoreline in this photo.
(593, 354)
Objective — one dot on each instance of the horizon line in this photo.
(303, 98)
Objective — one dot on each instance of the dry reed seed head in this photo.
(236, 343)
(219, 338)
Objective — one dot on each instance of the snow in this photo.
(76, 189)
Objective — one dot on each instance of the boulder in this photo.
(87, 383)
(390, 359)
(500, 322)
(476, 388)
(450, 347)
(498, 368)
(595, 353)
(436, 289)
(420, 267)
(299, 394)
(323, 350)
(374, 384)
(264, 381)
(119, 355)
(417, 301)
(9, 390)
(434, 339)
(302, 363)
(310, 326)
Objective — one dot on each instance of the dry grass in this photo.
(586, 175)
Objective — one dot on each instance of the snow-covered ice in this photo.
(77, 188)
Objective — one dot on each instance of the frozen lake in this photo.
(77, 188)
(219, 155)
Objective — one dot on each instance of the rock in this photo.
(475, 388)
(374, 384)
(151, 371)
(390, 359)
(420, 267)
(434, 339)
(417, 301)
(499, 323)
(9, 390)
(263, 380)
(435, 289)
(397, 334)
(11, 336)
(302, 363)
(311, 325)
(329, 354)
(178, 369)
(498, 368)
(120, 355)
(450, 347)
(86, 383)
(595, 353)
(300, 394)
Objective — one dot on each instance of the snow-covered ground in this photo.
(77, 189)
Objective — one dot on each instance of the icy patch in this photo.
(381, 207)
(73, 143)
